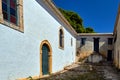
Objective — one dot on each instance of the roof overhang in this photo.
(95, 34)
(54, 9)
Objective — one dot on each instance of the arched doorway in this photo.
(45, 58)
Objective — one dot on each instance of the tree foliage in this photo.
(76, 21)
(89, 30)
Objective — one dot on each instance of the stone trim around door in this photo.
(49, 57)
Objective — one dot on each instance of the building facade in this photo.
(117, 40)
(89, 43)
(35, 39)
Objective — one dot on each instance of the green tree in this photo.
(76, 21)
(89, 30)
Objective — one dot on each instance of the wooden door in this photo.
(45, 60)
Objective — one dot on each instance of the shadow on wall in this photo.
(95, 58)
(83, 52)
(103, 49)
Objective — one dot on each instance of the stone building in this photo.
(35, 39)
(116, 41)
(101, 43)
(108, 45)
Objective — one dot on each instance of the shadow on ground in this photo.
(86, 71)
(76, 72)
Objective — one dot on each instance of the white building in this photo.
(35, 39)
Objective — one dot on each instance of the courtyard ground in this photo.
(87, 71)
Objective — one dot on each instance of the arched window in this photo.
(61, 38)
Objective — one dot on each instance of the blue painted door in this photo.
(45, 52)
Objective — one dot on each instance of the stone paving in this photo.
(104, 70)
(109, 72)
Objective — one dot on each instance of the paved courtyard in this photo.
(87, 71)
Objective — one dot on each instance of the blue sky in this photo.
(98, 14)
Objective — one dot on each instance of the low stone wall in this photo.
(95, 58)
(82, 55)
(91, 56)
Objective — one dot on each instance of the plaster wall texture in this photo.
(88, 48)
(20, 52)
(117, 45)
(95, 58)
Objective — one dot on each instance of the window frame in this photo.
(71, 41)
(83, 40)
(61, 46)
(110, 41)
(19, 25)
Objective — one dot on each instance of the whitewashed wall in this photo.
(20, 52)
